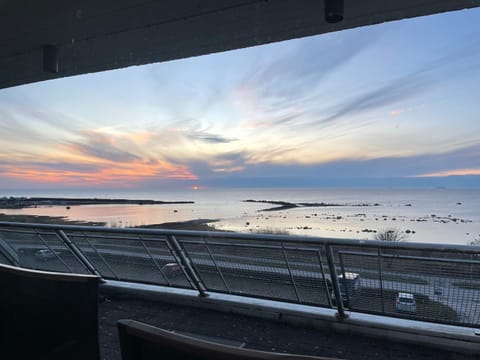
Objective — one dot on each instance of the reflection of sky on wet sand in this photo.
(428, 212)
(136, 215)
(336, 222)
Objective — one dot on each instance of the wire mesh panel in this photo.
(208, 266)
(308, 275)
(131, 258)
(40, 250)
(360, 280)
(166, 261)
(441, 287)
(259, 269)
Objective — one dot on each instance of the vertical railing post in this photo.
(10, 254)
(346, 286)
(216, 265)
(78, 254)
(187, 265)
(380, 277)
(98, 253)
(334, 278)
(292, 279)
(159, 268)
(53, 251)
(327, 290)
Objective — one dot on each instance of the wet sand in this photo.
(198, 225)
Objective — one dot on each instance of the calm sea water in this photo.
(433, 215)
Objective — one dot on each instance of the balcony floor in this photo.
(253, 333)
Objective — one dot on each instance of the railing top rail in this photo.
(264, 237)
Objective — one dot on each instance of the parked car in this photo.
(172, 270)
(348, 288)
(406, 303)
(45, 254)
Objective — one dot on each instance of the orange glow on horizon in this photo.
(97, 159)
(456, 172)
(121, 174)
(198, 187)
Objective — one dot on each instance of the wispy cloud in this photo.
(453, 172)
(293, 77)
(93, 159)
(357, 172)
(209, 138)
(412, 84)
(20, 115)
(100, 146)
(388, 94)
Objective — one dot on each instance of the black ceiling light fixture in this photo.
(50, 59)
(334, 11)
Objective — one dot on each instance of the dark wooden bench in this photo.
(45, 315)
(140, 341)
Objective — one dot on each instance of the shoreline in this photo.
(44, 219)
(197, 225)
(452, 221)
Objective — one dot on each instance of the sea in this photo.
(450, 216)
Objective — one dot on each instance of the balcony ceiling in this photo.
(94, 35)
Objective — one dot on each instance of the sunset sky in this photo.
(395, 104)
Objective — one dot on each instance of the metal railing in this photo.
(430, 282)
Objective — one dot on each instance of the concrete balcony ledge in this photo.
(461, 340)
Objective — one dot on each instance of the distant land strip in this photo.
(285, 205)
(24, 202)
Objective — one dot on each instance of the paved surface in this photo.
(252, 333)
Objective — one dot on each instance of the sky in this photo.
(390, 105)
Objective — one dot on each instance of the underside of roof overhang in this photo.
(87, 36)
